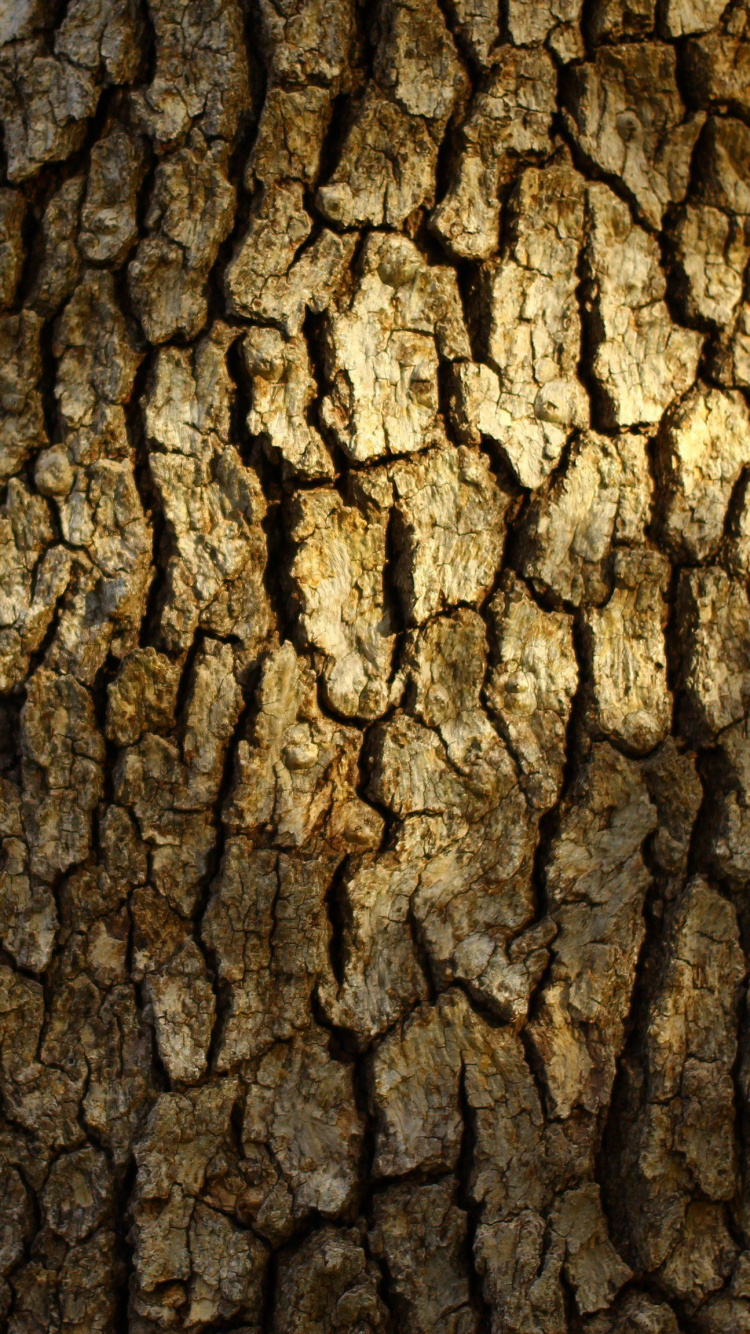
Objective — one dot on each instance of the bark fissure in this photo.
(374, 667)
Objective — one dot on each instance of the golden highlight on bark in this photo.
(374, 666)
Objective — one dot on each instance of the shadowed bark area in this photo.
(374, 667)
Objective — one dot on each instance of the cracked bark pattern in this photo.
(374, 667)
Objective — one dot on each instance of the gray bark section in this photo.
(375, 667)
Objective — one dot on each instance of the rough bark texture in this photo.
(375, 667)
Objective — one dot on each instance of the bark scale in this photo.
(375, 666)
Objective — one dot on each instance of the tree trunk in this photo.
(375, 658)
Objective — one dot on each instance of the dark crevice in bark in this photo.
(203, 895)
(339, 917)
(466, 1201)
(314, 332)
(150, 634)
(422, 954)
(343, 109)
(591, 169)
(278, 483)
(125, 1247)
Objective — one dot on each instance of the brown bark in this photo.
(375, 667)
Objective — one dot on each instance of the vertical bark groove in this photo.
(374, 667)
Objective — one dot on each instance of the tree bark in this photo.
(375, 666)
